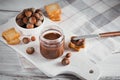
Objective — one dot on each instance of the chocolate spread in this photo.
(52, 36)
(52, 50)
(79, 42)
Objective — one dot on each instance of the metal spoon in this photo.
(100, 35)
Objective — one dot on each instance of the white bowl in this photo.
(32, 31)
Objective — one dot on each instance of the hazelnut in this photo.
(28, 13)
(25, 40)
(32, 9)
(25, 20)
(41, 18)
(30, 50)
(29, 26)
(20, 16)
(65, 61)
(68, 55)
(33, 38)
(37, 15)
(32, 20)
(20, 22)
(38, 23)
(38, 11)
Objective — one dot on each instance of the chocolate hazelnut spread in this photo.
(52, 44)
(52, 36)
(77, 42)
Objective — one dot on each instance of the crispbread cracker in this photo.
(11, 36)
(54, 11)
(75, 47)
(14, 42)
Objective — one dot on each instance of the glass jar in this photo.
(52, 42)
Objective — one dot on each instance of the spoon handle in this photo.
(110, 34)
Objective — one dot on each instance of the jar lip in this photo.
(58, 30)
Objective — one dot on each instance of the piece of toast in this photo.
(10, 34)
(75, 47)
(76, 44)
(14, 42)
(54, 11)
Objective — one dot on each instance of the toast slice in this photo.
(75, 47)
(76, 44)
(54, 11)
(14, 42)
(10, 34)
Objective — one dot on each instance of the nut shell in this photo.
(25, 40)
(28, 13)
(30, 50)
(29, 26)
(33, 38)
(37, 15)
(68, 55)
(41, 18)
(38, 11)
(20, 16)
(20, 22)
(32, 20)
(38, 23)
(65, 61)
(25, 20)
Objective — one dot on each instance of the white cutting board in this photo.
(80, 64)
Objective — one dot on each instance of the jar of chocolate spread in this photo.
(52, 42)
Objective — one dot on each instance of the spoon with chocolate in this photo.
(78, 42)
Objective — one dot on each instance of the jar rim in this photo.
(52, 28)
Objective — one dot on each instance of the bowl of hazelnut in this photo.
(30, 21)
